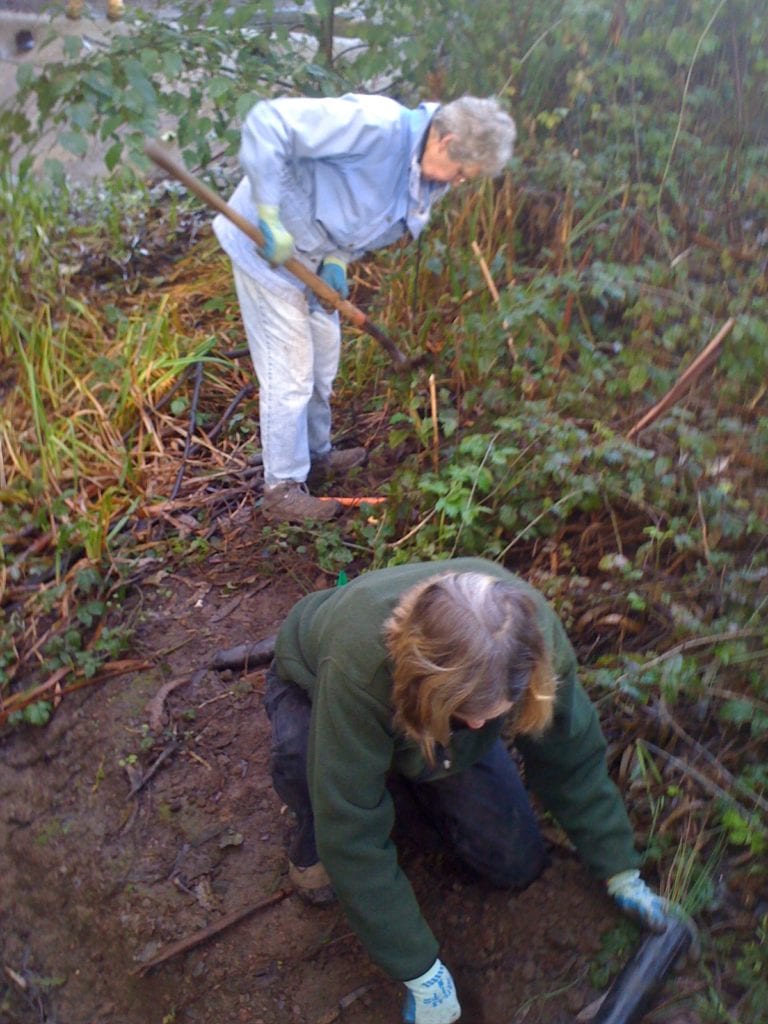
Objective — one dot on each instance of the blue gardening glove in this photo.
(334, 272)
(278, 243)
(431, 998)
(640, 901)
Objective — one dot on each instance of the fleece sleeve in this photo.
(566, 768)
(350, 754)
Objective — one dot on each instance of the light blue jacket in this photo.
(344, 173)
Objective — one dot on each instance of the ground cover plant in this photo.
(557, 306)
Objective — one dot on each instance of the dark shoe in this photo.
(312, 884)
(336, 462)
(292, 502)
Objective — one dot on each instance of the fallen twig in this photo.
(237, 353)
(18, 701)
(141, 782)
(590, 1010)
(35, 548)
(206, 933)
(413, 531)
(345, 1002)
(718, 691)
(155, 707)
(16, 978)
(245, 392)
(733, 252)
(703, 360)
(685, 768)
(485, 272)
(192, 501)
(688, 645)
(662, 712)
(435, 424)
(227, 609)
(190, 429)
(178, 383)
(245, 655)
(491, 285)
(352, 502)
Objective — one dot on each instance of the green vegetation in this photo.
(629, 231)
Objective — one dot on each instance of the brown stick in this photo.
(702, 361)
(357, 502)
(156, 705)
(163, 756)
(245, 392)
(38, 546)
(245, 654)
(190, 430)
(18, 701)
(662, 713)
(206, 933)
(710, 243)
(435, 426)
(324, 292)
(485, 272)
(685, 768)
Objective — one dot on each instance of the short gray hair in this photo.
(485, 134)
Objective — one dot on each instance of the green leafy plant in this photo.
(38, 713)
(741, 831)
(616, 945)
(121, 91)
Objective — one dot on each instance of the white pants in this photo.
(296, 356)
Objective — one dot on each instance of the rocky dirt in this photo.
(144, 813)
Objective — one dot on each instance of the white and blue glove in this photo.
(278, 243)
(639, 901)
(431, 998)
(334, 272)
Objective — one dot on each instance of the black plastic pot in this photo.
(631, 994)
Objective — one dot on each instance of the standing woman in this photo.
(412, 672)
(327, 180)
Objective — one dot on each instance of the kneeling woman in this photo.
(412, 672)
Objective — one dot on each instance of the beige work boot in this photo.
(336, 462)
(291, 501)
(115, 9)
(312, 884)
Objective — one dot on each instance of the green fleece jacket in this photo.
(331, 645)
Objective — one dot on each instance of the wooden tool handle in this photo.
(329, 296)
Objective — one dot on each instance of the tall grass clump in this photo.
(84, 367)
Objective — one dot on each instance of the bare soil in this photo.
(97, 880)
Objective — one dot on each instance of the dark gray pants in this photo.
(482, 813)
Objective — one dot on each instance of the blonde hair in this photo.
(463, 644)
